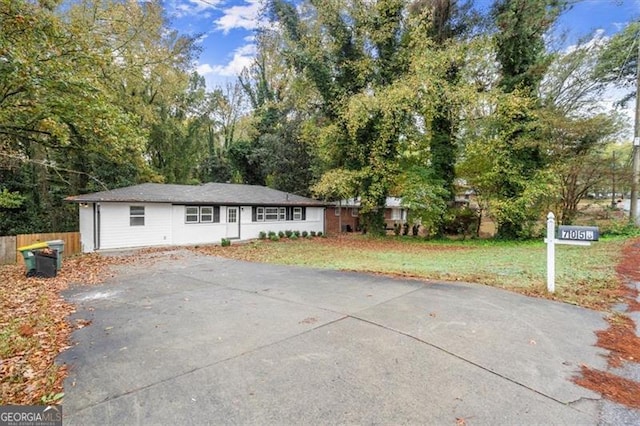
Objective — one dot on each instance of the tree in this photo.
(577, 146)
(617, 63)
(575, 131)
(449, 22)
(520, 51)
(79, 88)
(277, 153)
(354, 54)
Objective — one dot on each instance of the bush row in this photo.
(293, 235)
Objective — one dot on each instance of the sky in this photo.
(226, 28)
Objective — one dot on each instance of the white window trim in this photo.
(337, 211)
(297, 213)
(355, 212)
(195, 215)
(138, 215)
(211, 214)
(271, 214)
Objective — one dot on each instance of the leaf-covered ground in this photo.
(34, 326)
(621, 338)
(34, 329)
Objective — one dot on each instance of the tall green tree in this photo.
(276, 153)
(80, 86)
(520, 50)
(354, 54)
(450, 22)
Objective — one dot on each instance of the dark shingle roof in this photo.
(208, 193)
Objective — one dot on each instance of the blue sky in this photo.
(227, 28)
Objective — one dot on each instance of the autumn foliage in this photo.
(34, 328)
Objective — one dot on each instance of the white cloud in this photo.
(245, 16)
(242, 57)
(204, 69)
(193, 7)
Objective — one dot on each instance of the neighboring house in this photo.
(153, 214)
(344, 215)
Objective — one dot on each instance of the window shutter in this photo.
(304, 213)
(253, 213)
(216, 214)
(289, 213)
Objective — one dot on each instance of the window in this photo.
(191, 214)
(337, 211)
(354, 212)
(202, 214)
(277, 214)
(206, 214)
(271, 213)
(136, 215)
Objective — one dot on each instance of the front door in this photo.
(233, 222)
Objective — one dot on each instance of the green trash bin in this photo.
(29, 257)
(58, 246)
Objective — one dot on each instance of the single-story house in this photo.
(344, 215)
(153, 214)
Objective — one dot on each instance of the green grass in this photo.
(583, 274)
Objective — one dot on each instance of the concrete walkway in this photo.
(202, 340)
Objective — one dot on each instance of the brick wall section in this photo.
(332, 221)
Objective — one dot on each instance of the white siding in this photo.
(116, 232)
(250, 230)
(164, 224)
(86, 227)
(197, 233)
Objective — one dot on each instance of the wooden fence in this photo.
(9, 245)
(7, 250)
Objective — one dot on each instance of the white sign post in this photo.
(551, 252)
(579, 236)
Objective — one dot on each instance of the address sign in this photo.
(578, 233)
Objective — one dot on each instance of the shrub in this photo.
(313, 233)
(281, 234)
(305, 234)
(320, 234)
(296, 233)
(294, 236)
(274, 237)
(262, 235)
(396, 228)
(461, 221)
(288, 233)
(225, 242)
(405, 229)
(271, 234)
(415, 229)
(623, 228)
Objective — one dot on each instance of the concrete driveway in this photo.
(193, 339)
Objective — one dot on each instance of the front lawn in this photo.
(585, 275)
